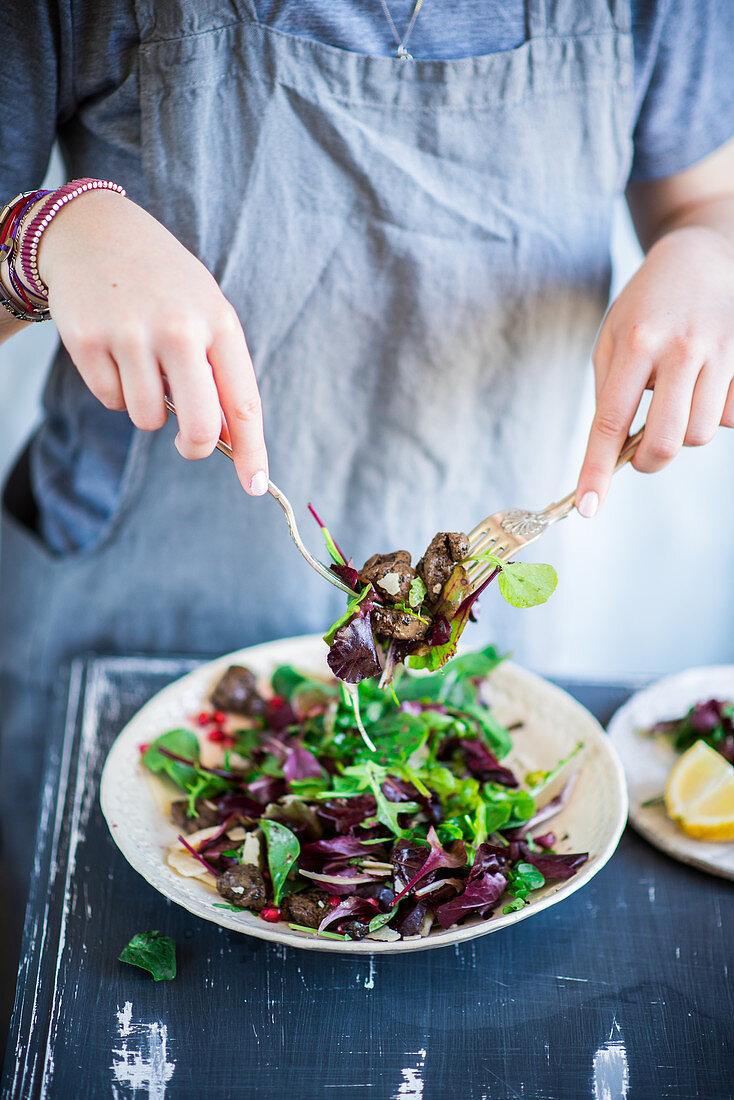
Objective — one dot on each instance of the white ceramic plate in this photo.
(648, 761)
(553, 724)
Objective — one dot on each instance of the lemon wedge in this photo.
(699, 794)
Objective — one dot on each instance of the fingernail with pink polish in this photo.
(259, 483)
(588, 506)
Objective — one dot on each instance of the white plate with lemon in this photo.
(673, 796)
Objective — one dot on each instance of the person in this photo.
(386, 226)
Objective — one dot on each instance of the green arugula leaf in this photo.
(184, 743)
(283, 850)
(152, 951)
(348, 615)
(417, 592)
(203, 786)
(371, 775)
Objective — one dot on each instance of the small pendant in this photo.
(403, 54)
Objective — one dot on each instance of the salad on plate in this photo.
(286, 809)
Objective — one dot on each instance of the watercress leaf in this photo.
(523, 584)
(531, 876)
(283, 850)
(184, 743)
(152, 951)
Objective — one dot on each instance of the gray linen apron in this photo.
(419, 256)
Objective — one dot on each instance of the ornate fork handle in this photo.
(530, 524)
(290, 516)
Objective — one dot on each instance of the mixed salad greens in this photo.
(711, 720)
(299, 820)
(401, 614)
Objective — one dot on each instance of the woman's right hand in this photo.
(132, 304)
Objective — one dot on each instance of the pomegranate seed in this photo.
(334, 900)
(219, 717)
(144, 748)
(217, 736)
(277, 701)
(228, 740)
(271, 913)
(204, 719)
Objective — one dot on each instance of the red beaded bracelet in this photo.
(28, 256)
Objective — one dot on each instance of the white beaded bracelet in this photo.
(28, 255)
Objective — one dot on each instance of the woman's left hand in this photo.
(670, 330)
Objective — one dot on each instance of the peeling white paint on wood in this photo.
(610, 1079)
(411, 1086)
(141, 1063)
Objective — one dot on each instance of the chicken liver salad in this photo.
(420, 826)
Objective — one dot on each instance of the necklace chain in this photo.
(401, 51)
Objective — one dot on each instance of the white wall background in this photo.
(646, 587)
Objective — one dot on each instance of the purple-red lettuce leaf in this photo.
(343, 817)
(555, 866)
(300, 763)
(353, 908)
(437, 857)
(353, 654)
(315, 855)
(480, 895)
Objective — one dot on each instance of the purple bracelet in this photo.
(28, 256)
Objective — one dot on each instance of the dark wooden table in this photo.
(620, 991)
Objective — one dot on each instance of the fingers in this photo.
(240, 400)
(97, 368)
(103, 379)
(727, 417)
(180, 354)
(602, 357)
(707, 406)
(617, 402)
(141, 381)
(670, 408)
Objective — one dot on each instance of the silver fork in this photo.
(504, 533)
(290, 516)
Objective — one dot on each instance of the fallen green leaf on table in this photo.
(153, 951)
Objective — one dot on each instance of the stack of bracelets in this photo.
(22, 290)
